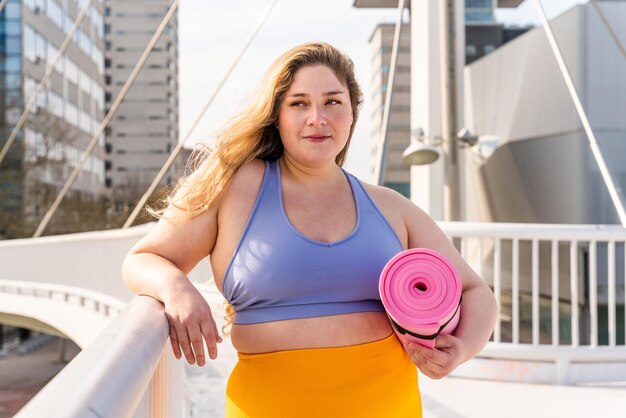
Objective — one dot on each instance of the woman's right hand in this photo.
(190, 321)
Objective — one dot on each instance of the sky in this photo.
(211, 35)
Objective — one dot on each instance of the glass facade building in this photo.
(66, 113)
(479, 11)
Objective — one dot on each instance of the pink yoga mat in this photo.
(421, 292)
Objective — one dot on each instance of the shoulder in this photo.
(247, 178)
(242, 190)
(419, 227)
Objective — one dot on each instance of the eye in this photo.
(296, 104)
(333, 101)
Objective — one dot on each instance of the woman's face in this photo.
(315, 116)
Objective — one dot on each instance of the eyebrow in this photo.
(330, 93)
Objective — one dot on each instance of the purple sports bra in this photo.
(276, 273)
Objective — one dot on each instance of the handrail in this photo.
(573, 275)
(105, 304)
(109, 378)
(553, 353)
(563, 232)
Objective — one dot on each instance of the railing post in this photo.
(612, 290)
(535, 291)
(497, 288)
(593, 293)
(573, 254)
(515, 291)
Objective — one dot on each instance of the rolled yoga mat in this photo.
(421, 292)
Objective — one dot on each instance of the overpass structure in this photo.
(551, 282)
(71, 286)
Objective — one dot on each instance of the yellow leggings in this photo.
(374, 380)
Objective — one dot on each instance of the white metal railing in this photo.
(560, 290)
(551, 282)
(105, 305)
(125, 372)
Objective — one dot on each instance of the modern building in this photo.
(482, 36)
(396, 175)
(68, 112)
(543, 154)
(144, 130)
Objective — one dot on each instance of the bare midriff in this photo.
(317, 332)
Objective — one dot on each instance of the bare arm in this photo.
(158, 265)
(478, 309)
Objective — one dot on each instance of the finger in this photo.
(183, 339)
(430, 372)
(444, 341)
(195, 339)
(218, 338)
(210, 333)
(175, 343)
(427, 354)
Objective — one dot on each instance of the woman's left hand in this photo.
(438, 362)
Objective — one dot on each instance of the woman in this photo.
(297, 246)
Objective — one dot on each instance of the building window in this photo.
(488, 48)
(13, 11)
(470, 50)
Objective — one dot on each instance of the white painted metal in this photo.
(535, 291)
(103, 304)
(586, 358)
(64, 311)
(88, 260)
(555, 292)
(573, 269)
(593, 293)
(515, 291)
(611, 305)
(497, 287)
(562, 362)
(110, 377)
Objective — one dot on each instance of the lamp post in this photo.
(449, 127)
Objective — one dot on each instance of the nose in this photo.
(316, 116)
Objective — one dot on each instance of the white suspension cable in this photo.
(614, 192)
(2, 4)
(379, 168)
(180, 144)
(608, 27)
(108, 117)
(44, 81)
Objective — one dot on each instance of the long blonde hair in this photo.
(253, 133)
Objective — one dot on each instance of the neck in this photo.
(324, 175)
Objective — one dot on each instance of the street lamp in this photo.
(425, 150)
(422, 150)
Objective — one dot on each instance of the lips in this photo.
(317, 137)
